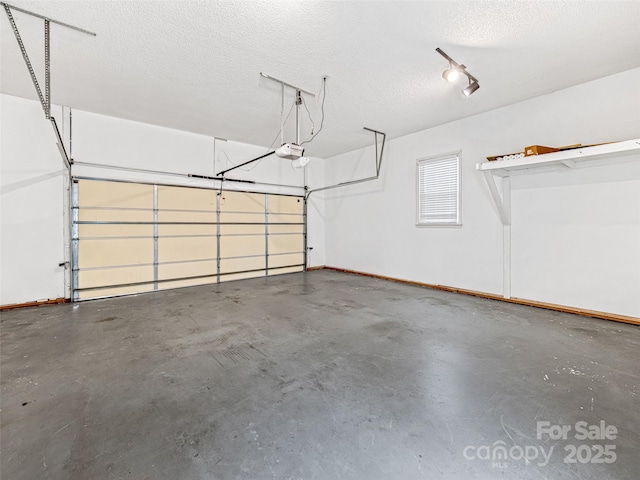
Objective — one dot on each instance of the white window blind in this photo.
(439, 190)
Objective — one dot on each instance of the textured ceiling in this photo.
(195, 65)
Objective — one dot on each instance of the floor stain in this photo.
(107, 319)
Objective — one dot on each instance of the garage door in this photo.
(134, 237)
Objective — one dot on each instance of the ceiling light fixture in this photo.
(472, 87)
(452, 73)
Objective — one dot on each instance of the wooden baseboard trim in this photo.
(311, 269)
(52, 301)
(520, 301)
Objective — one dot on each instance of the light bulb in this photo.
(450, 74)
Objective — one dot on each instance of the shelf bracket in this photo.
(501, 202)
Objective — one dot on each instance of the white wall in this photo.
(575, 233)
(576, 238)
(31, 219)
(32, 222)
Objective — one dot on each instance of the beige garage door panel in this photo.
(285, 244)
(185, 248)
(242, 202)
(185, 198)
(167, 230)
(285, 260)
(169, 216)
(232, 217)
(112, 292)
(241, 246)
(114, 194)
(241, 276)
(186, 283)
(241, 264)
(275, 229)
(129, 251)
(242, 229)
(115, 276)
(281, 218)
(190, 269)
(85, 231)
(283, 204)
(109, 215)
(281, 271)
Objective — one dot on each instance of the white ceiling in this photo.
(195, 65)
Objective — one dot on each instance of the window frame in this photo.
(458, 155)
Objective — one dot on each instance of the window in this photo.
(439, 190)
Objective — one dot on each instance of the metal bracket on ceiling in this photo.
(45, 99)
(277, 80)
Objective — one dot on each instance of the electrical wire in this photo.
(324, 96)
(313, 125)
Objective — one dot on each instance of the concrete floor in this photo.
(312, 376)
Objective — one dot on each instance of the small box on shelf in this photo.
(538, 150)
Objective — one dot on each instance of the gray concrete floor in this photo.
(312, 376)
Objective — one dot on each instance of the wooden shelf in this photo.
(567, 158)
